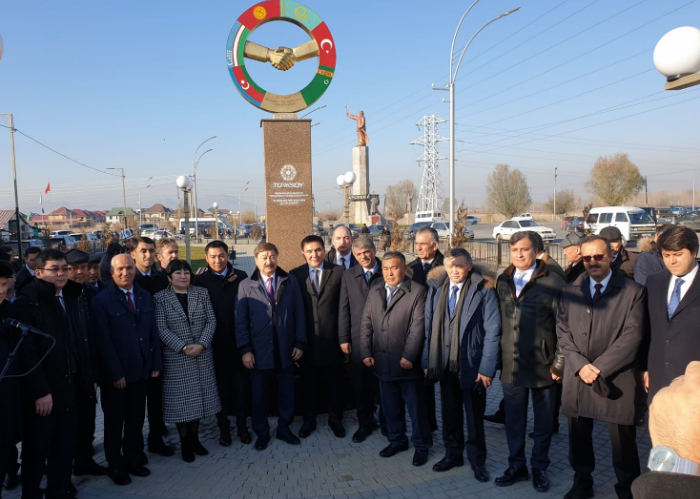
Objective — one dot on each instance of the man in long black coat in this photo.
(427, 244)
(600, 325)
(222, 281)
(49, 392)
(674, 334)
(354, 289)
(322, 362)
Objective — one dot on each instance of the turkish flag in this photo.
(48, 188)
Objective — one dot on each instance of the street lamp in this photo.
(345, 181)
(184, 183)
(140, 210)
(195, 162)
(216, 218)
(677, 56)
(126, 226)
(451, 87)
(243, 189)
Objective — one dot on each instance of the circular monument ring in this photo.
(322, 45)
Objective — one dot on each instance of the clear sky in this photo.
(140, 85)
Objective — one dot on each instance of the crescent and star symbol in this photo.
(245, 85)
(330, 43)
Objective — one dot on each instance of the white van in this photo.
(634, 223)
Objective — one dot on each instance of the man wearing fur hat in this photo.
(462, 348)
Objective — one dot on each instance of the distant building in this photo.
(8, 225)
(157, 213)
(116, 215)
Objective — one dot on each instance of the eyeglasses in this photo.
(597, 258)
(57, 270)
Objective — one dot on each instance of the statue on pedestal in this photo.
(362, 137)
(374, 202)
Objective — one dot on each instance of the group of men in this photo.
(402, 328)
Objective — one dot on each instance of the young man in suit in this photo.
(393, 332)
(323, 359)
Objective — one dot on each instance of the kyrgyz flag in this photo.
(48, 188)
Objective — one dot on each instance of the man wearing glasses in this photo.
(600, 325)
(58, 369)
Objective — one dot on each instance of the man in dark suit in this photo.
(623, 260)
(323, 359)
(149, 279)
(354, 289)
(462, 350)
(393, 332)
(427, 244)
(128, 349)
(649, 260)
(27, 271)
(93, 282)
(674, 310)
(572, 251)
(271, 337)
(49, 303)
(222, 280)
(600, 325)
(341, 252)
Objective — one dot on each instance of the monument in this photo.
(286, 139)
(364, 205)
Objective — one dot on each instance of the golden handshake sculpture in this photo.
(282, 58)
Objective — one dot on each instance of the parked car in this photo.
(148, 227)
(473, 220)
(565, 222)
(690, 220)
(375, 230)
(162, 234)
(56, 233)
(418, 226)
(665, 217)
(244, 230)
(63, 242)
(633, 222)
(522, 216)
(92, 239)
(576, 223)
(504, 230)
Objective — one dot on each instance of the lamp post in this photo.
(451, 87)
(216, 218)
(126, 226)
(184, 183)
(243, 189)
(195, 162)
(345, 181)
(14, 178)
(677, 57)
(140, 210)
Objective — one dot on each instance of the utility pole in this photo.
(126, 226)
(554, 215)
(646, 193)
(14, 177)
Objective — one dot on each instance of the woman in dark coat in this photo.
(186, 324)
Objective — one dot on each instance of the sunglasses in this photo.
(597, 258)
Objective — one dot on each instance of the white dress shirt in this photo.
(267, 284)
(222, 274)
(604, 282)
(687, 281)
(320, 274)
(459, 289)
(31, 272)
(522, 278)
(389, 294)
(145, 274)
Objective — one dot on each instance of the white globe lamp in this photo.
(215, 205)
(340, 180)
(183, 182)
(677, 54)
(350, 178)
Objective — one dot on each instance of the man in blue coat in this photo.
(462, 349)
(128, 349)
(271, 336)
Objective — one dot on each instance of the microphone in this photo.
(25, 327)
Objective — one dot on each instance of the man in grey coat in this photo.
(392, 341)
(271, 337)
(600, 325)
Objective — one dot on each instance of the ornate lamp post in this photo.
(345, 181)
(216, 219)
(184, 183)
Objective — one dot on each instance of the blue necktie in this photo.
(452, 302)
(391, 295)
(675, 298)
(426, 267)
(368, 275)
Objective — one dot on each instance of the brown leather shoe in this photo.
(225, 437)
(245, 436)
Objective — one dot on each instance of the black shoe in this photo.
(361, 434)
(225, 437)
(137, 470)
(481, 474)
(289, 438)
(89, 468)
(261, 443)
(580, 493)
(161, 448)
(143, 459)
(512, 475)
(448, 462)
(199, 449)
(11, 481)
(433, 427)
(540, 482)
(307, 429)
(497, 418)
(338, 431)
(420, 457)
(393, 449)
(244, 436)
(119, 477)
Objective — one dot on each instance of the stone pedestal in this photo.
(287, 157)
(359, 210)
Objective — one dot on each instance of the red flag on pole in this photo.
(48, 188)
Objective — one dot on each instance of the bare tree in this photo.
(397, 198)
(248, 217)
(329, 215)
(615, 179)
(459, 238)
(507, 191)
(566, 202)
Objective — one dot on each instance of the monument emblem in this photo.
(288, 173)
(322, 45)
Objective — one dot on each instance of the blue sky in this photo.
(139, 85)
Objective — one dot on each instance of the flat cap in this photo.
(114, 249)
(94, 259)
(74, 257)
(6, 270)
(572, 239)
(611, 233)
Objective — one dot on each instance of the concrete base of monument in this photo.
(287, 157)
(359, 206)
